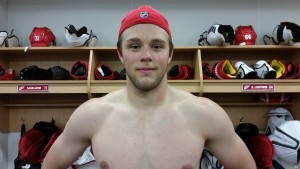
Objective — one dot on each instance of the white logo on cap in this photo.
(144, 14)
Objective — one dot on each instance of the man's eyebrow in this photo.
(158, 41)
(133, 40)
(137, 40)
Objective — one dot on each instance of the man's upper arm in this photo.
(232, 153)
(63, 153)
(226, 145)
(71, 143)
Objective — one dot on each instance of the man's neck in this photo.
(147, 99)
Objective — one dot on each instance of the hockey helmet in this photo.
(217, 35)
(287, 33)
(42, 37)
(80, 37)
(245, 35)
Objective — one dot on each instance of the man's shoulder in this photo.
(188, 99)
(110, 97)
(104, 102)
(115, 97)
(196, 106)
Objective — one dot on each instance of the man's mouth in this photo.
(145, 69)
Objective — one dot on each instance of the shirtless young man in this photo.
(148, 124)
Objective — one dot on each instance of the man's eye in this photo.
(134, 46)
(157, 46)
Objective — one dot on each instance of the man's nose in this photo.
(146, 56)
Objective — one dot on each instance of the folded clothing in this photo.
(207, 71)
(244, 71)
(59, 73)
(279, 66)
(292, 71)
(105, 72)
(35, 73)
(264, 70)
(79, 70)
(225, 70)
(179, 72)
(8, 74)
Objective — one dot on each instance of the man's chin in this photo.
(146, 84)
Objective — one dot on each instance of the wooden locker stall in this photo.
(63, 96)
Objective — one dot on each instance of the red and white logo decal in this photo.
(258, 87)
(33, 88)
(144, 14)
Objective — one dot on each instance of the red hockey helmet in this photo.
(42, 37)
(245, 35)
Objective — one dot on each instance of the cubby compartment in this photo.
(250, 54)
(246, 98)
(29, 108)
(182, 55)
(44, 58)
(106, 56)
(62, 97)
(249, 107)
(187, 56)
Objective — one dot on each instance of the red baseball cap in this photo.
(144, 15)
(262, 150)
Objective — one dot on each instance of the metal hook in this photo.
(52, 120)
(241, 119)
(23, 121)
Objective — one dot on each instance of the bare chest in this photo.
(166, 142)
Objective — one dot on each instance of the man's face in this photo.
(145, 55)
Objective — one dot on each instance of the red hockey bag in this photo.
(36, 142)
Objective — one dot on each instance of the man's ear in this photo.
(170, 57)
(120, 56)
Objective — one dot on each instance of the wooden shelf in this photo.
(43, 51)
(106, 86)
(63, 96)
(63, 86)
(192, 86)
(255, 104)
(42, 105)
(236, 86)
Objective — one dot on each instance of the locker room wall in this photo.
(187, 19)
(3, 15)
(3, 150)
(3, 137)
